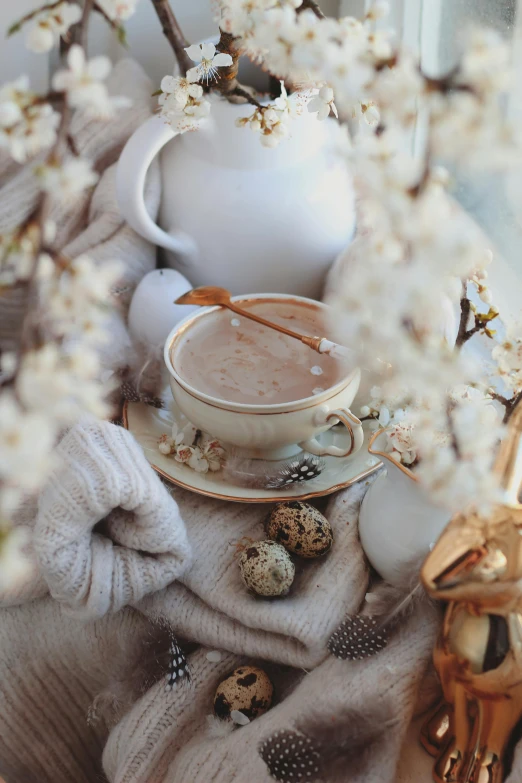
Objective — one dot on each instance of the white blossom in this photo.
(456, 465)
(67, 181)
(202, 454)
(323, 103)
(400, 442)
(398, 92)
(208, 62)
(272, 122)
(166, 445)
(485, 63)
(291, 106)
(26, 439)
(183, 434)
(16, 257)
(182, 103)
(27, 125)
(379, 9)
(76, 301)
(62, 382)
(508, 357)
(50, 24)
(118, 10)
(370, 113)
(214, 454)
(83, 84)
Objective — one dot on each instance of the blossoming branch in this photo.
(51, 374)
(417, 256)
(405, 275)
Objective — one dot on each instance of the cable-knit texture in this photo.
(358, 714)
(51, 668)
(103, 475)
(211, 605)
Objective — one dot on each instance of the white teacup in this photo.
(269, 431)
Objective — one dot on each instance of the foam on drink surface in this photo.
(241, 361)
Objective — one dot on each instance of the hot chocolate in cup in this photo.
(256, 389)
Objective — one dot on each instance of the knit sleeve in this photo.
(141, 546)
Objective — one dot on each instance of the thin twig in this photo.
(243, 92)
(499, 398)
(227, 82)
(447, 83)
(118, 28)
(465, 309)
(509, 404)
(481, 321)
(512, 405)
(418, 189)
(40, 215)
(173, 33)
(453, 435)
(313, 6)
(71, 143)
(84, 27)
(31, 15)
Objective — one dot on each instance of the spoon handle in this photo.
(312, 342)
(335, 350)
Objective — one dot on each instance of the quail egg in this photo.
(300, 528)
(266, 568)
(247, 690)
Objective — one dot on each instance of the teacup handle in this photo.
(352, 424)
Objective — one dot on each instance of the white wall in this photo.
(146, 41)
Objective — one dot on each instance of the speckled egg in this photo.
(266, 568)
(247, 690)
(300, 528)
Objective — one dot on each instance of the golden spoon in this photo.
(214, 295)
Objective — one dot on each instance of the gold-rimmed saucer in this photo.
(147, 424)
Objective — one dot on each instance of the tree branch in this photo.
(243, 92)
(313, 6)
(38, 218)
(513, 402)
(465, 309)
(16, 27)
(481, 321)
(173, 33)
(227, 82)
(509, 404)
(118, 28)
(84, 32)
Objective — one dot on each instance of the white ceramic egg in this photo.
(152, 312)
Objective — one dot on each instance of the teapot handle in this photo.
(135, 159)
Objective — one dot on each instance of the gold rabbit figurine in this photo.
(476, 565)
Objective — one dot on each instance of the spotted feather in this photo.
(178, 668)
(291, 757)
(358, 637)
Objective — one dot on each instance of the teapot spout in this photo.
(508, 464)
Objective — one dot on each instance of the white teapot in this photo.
(239, 215)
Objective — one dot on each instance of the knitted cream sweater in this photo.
(60, 652)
